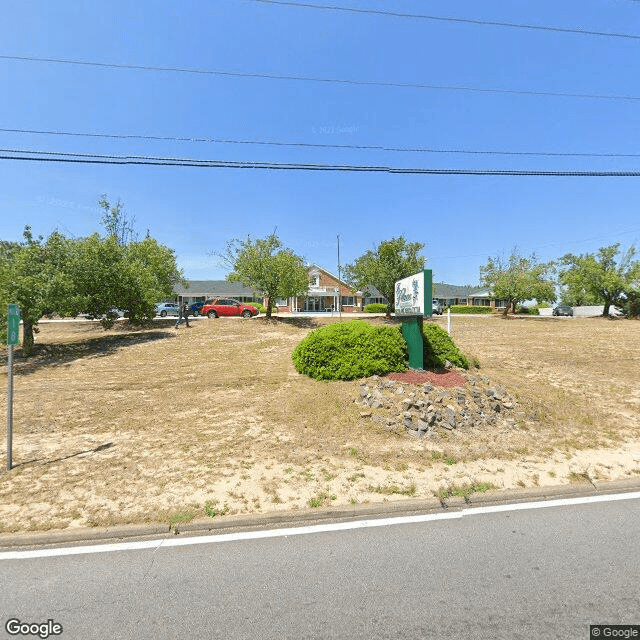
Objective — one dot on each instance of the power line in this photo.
(86, 158)
(304, 78)
(483, 23)
(312, 145)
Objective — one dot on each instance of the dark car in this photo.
(563, 310)
(227, 307)
(195, 308)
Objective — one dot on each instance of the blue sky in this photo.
(461, 219)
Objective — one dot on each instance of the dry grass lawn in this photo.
(159, 425)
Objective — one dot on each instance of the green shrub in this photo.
(351, 350)
(439, 347)
(260, 307)
(375, 307)
(461, 308)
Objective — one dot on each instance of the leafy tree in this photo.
(34, 276)
(116, 221)
(517, 279)
(602, 277)
(108, 274)
(267, 267)
(381, 267)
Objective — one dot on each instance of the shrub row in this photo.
(375, 307)
(460, 308)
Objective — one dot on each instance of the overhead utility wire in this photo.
(300, 78)
(82, 158)
(314, 145)
(483, 23)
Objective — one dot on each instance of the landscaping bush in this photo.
(439, 347)
(351, 350)
(461, 308)
(375, 307)
(260, 307)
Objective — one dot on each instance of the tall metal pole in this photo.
(339, 283)
(9, 405)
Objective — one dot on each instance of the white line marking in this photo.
(318, 528)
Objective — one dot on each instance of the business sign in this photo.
(413, 295)
(13, 324)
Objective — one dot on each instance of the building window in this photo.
(348, 301)
(282, 302)
(314, 280)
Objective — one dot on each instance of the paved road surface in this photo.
(530, 574)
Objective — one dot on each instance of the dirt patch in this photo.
(446, 379)
(164, 425)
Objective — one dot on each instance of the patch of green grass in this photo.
(583, 476)
(465, 490)
(391, 489)
(353, 451)
(355, 476)
(317, 500)
(212, 510)
(181, 517)
(552, 474)
(327, 475)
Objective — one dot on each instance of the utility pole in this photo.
(339, 283)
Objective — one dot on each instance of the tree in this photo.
(108, 274)
(34, 276)
(116, 221)
(517, 279)
(381, 267)
(266, 267)
(602, 277)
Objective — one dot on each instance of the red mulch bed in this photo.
(447, 379)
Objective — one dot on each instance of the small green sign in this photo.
(13, 324)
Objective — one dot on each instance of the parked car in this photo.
(165, 309)
(227, 307)
(436, 308)
(195, 308)
(562, 310)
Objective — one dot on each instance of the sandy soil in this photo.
(159, 425)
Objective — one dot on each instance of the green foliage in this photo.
(89, 275)
(351, 350)
(532, 310)
(599, 278)
(259, 306)
(383, 266)
(517, 279)
(461, 308)
(266, 267)
(631, 305)
(439, 347)
(375, 307)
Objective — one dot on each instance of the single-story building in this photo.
(327, 292)
(203, 290)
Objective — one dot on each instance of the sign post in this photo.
(413, 301)
(13, 337)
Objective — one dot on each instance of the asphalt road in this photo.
(534, 574)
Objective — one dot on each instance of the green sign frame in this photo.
(13, 324)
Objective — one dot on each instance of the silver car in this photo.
(165, 309)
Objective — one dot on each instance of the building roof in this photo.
(214, 288)
(443, 290)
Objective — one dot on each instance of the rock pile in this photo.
(424, 409)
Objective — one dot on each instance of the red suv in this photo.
(227, 307)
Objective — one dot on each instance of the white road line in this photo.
(319, 528)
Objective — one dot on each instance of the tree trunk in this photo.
(605, 311)
(268, 315)
(389, 307)
(27, 337)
